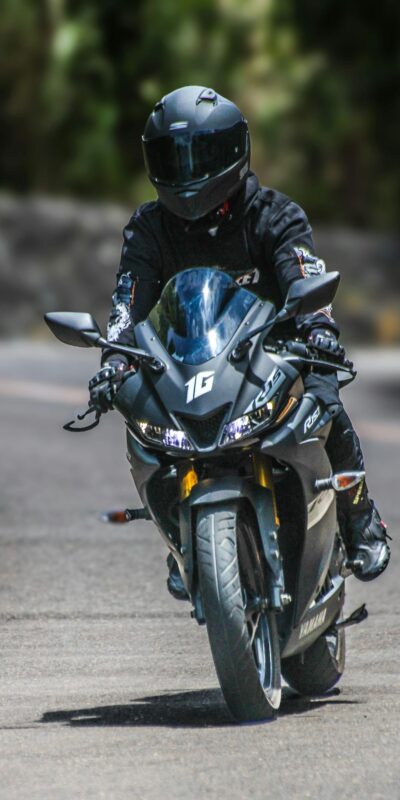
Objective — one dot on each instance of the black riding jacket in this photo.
(260, 237)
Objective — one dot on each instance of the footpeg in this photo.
(359, 615)
(349, 566)
(353, 564)
(120, 516)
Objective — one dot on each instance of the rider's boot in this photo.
(175, 584)
(364, 533)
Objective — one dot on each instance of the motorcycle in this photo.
(227, 453)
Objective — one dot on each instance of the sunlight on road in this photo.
(44, 392)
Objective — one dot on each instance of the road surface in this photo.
(107, 688)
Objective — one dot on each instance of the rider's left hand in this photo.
(104, 385)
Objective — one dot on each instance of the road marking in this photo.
(43, 392)
(384, 432)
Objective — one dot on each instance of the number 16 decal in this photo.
(198, 385)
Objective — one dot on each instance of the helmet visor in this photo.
(182, 157)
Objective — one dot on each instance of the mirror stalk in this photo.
(94, 339)
(81, 330)
(140, 355)
(91, 338)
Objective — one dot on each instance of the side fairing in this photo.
(300, 444)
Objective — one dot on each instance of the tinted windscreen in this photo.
(183, 157)
(198, 313)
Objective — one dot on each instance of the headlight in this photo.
(166, 437)
(246, 425)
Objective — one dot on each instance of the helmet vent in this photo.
(207, 95)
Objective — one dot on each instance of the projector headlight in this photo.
(244, 426)
(163, 437)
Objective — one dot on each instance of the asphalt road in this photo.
(107, 688)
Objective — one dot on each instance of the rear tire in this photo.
(244, 644)
(320, 667)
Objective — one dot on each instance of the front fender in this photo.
(215, 491)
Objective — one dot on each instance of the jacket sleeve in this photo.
(294, 257)
(138, 284)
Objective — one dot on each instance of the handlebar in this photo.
(301, 353)
(293, 351)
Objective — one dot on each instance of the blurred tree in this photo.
(318, 81)
(361, 84)
(24, 41)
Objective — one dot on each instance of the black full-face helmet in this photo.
(196, 150)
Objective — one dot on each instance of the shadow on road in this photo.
(199, 709)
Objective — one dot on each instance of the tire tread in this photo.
(224, 611)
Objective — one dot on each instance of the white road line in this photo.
(384, 432)
(43, 392)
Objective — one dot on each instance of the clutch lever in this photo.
(69, 426)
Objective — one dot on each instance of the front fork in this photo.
(263, 476)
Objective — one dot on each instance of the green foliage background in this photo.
(317, 79)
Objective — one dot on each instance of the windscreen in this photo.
(198, 313)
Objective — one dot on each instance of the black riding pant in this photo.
(343, 445)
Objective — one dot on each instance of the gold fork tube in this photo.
(262, 466)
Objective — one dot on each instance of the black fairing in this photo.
(307, 533)
(217, 390)
(163, 399)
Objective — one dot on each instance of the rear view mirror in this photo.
(310, 294)
(304, 296)
(74, 328)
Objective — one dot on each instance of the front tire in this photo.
(244, 644)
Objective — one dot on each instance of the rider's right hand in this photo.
(105, 384)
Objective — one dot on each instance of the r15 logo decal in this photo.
(311, 419)
(199, 384)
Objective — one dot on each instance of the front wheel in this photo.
(243, 640)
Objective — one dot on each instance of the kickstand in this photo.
(359, 615)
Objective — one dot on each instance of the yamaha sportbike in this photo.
(227, 452)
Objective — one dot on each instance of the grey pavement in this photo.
(107, 687)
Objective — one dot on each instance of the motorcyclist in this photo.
(211, 211)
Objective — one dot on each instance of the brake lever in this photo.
(69, 426)
(319, 356)
(319, 362)
(330, 357)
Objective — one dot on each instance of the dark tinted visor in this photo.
(182, 157)
(198, 313)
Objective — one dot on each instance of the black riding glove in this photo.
(105, 384)
(326, 341)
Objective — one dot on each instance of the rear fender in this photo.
(215, 491)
